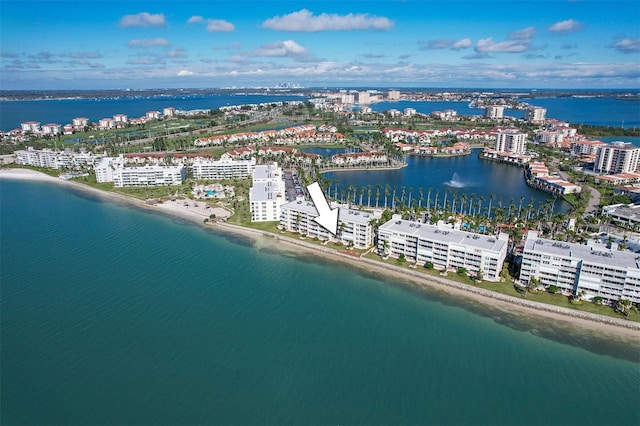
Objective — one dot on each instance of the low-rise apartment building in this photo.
(354, 226)
(111, 169)
(574, 268)
(50, 159)
(445, 247)
(149, 176)
(222, 169)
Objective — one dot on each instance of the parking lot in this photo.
(293, 186)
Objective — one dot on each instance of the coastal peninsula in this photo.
(496, 300)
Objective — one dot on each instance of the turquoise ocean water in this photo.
(112, 315)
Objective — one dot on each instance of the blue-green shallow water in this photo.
(112, 315)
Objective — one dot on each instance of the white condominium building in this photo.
(267, 193)
(111, 169)
(535, 114)
(617, 157)
(598, 271)
(512, 141)
(444, 247)
(394, 95)
(364, 98)
(49, 159)
(354, 227)
(105, 167)
(149, 176)
(494, 111)
(222, 169)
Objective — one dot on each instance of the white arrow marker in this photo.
(328, 218)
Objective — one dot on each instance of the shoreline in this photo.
(583, 320)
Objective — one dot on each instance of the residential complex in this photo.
(47, 158)
(624, 215)
(573, 268)
(494, 111)
(535, 114)
(222, 169)
(512, 141)
(617, 157)
(267, 193)
(444, 247)
(538, 176)
(111, 169)
(354, 226)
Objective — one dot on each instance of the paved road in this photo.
(594, 199)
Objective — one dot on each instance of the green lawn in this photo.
(507, 288)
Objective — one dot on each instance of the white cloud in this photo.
(524, 34)
(304, 20)
(177, 53)
(487, 45)
(628, 45)
(185, 73)
(195, 20)
(287, 48)
(443, 43)
(461, 44)
(219, 25)
(565, 27)
(144, 19)
(213, 25)
(146, 43)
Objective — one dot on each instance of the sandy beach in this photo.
(187, 209)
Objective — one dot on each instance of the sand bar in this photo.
(593, 322)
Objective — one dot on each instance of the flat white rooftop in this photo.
(593, 254)
(445, 234)
(346, 215)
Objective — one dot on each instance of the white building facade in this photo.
(149, 176)
(494, 111)
(222, 169)
(535, 114)
(354, 226)
(617, 157)
(574, 268)
(445, 247)
(267, 193)
(110, 169)
(512, 141)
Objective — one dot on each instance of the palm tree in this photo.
(410, 194)
(444, 202)
(421, 199)
(378, 187)
(393, 198)
(435, 203)
(361, 194)
(368, 195)
(520, 206)
(429, 198)
(387, 189)
(510, 205)
(455, 198)
(491, 198)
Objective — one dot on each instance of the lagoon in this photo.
(462, 175)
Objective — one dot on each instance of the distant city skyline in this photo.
(141, 44)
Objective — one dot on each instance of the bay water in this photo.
(114, 315)
(603, 111)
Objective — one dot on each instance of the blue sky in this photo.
(411, 43)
